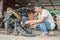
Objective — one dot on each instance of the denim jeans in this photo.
(43, 27)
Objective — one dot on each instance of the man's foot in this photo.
(43, 35)
(51, 33)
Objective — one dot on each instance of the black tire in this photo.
(26, 32)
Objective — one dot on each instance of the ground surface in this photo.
(56, 36)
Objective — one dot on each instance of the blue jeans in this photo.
(43, 27)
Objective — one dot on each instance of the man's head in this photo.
(38, 7)
(30, 14)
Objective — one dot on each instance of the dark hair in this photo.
(29, 11)
(38, 4)
(55, 16)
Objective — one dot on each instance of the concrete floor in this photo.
(56, 36)
(10, 37)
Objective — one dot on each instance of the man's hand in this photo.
(28, 22)
(32, 24)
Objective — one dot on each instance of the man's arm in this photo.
(35, 21)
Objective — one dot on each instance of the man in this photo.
(55, 21)
(43, 21)
(30, 14)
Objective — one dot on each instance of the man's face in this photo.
(37, 9)
(30, 15)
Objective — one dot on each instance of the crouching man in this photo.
(43, 20)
